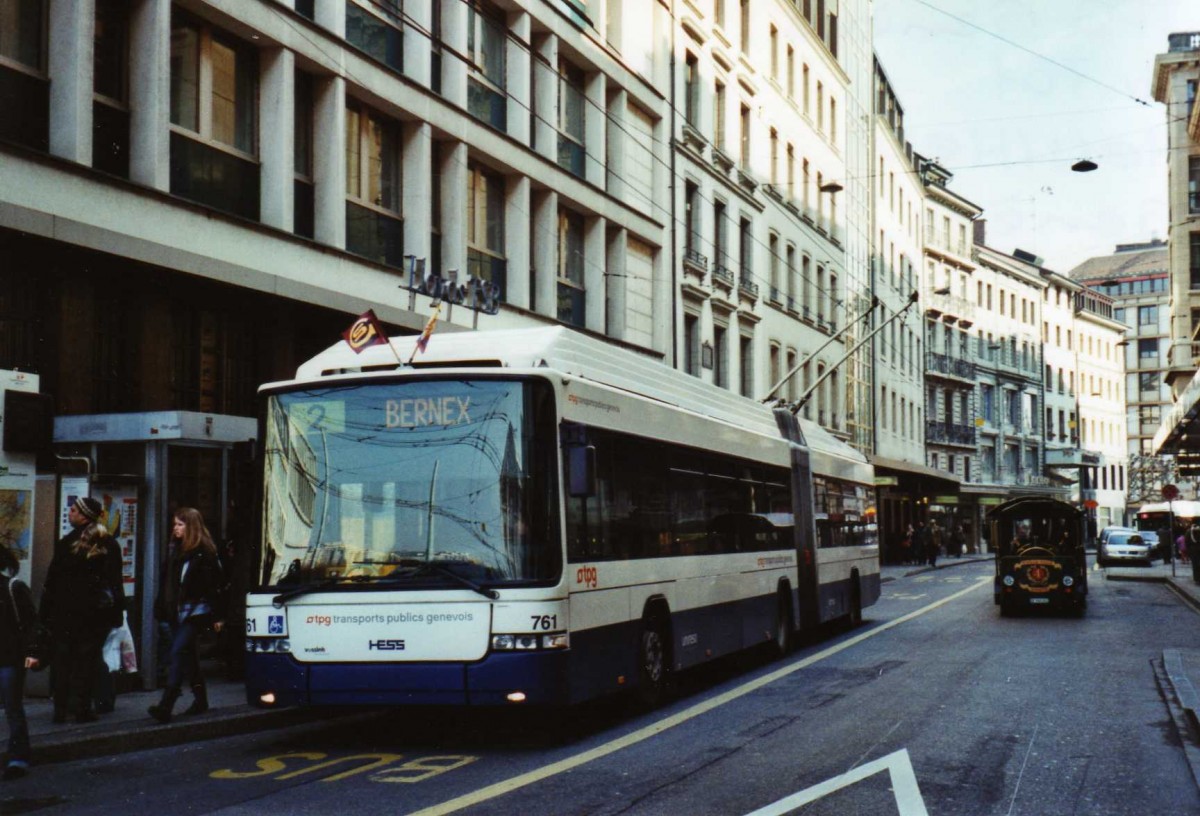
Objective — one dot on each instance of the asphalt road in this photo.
(935, 705)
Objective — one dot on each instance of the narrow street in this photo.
(935, 704)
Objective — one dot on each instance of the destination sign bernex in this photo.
(418, 412)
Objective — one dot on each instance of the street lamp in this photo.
(831, 187)
(1084, 166)
(945, 290)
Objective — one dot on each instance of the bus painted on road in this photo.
(535, 516)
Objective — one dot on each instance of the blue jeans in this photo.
(184, 659)
(12, 694)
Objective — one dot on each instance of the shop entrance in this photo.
(146, 466)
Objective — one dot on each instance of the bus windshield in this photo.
(412, 482)
(1057, 534)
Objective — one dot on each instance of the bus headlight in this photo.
(527, 643)
(1009, 580)
(1068, 581)
(269, 645)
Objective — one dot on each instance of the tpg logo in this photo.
(385, 645)
(587, 576)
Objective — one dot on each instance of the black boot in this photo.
(162, 711)
(200, 703)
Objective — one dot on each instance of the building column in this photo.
(615, 183)
(517, 221)
(595, 128)
(277, 138)
(418, 47)
(329, 161)
(331, 15)
(519, 59)
(454, 67)
(617, 266)
(72, 35)
(417, 167)
(545, 253)
(545, 96)
(595, 240)
(454, 179)
(150, 93)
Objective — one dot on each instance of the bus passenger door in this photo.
(808, 589)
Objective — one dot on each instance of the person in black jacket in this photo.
(18, 650)
(190, 601)
(83, 598)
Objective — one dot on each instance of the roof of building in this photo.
(1122, 265)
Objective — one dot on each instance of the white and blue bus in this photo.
(535, 516)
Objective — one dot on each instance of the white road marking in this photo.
(907, 596)
(654, 729)
(899, 768)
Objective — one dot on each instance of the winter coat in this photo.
(191, 583)
(84, 592)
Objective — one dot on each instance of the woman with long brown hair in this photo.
(189, 601)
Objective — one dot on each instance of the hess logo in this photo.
(587, 576)
(385, 645)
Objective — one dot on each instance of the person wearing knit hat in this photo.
(82, 599)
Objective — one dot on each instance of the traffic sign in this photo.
(1091, 504)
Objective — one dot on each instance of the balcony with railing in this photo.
(950, 366)
(747, 288)
(939, 301)
(946, 433)
(695, 264)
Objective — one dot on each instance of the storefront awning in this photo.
(901, 467)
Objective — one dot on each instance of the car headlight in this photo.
(1068, 581)
(1009, 580)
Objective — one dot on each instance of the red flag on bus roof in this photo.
(365, 332)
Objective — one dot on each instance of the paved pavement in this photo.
(129, 727)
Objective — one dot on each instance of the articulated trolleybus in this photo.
(534, 516)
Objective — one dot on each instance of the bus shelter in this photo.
(142, 467)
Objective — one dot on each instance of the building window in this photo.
(1147, 316)
(719, 116)
(486, 33)
(691, 90)
(22, 37)
(746, 360)
(720, 235)
(744, 137)
(302, 156)
(721, 356)
(691, 344)
(373, 226)
(1194, 260)
(571, 292)
(214, 100)
(110, 88)
(790, 67)
(376, 28)
(1147, 353)
(1194, 184)
(570, 118)
(745, 4)
(485, 225)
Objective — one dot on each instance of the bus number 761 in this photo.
(546, 622)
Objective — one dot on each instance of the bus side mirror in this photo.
(581, 470)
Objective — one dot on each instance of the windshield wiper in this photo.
(283, 597)
(441, 569)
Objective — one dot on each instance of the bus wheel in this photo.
(652, 665)
(856, 617)
(784, 627)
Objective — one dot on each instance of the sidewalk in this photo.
(890, 572)
(130, 728)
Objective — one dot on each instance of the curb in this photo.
(70, 747)
(1166, 673)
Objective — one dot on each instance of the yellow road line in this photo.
(522, 780)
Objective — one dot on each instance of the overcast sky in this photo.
(972, 100)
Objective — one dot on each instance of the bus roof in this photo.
(572, 353)
(1180, 507)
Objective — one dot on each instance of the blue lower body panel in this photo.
(541, 676)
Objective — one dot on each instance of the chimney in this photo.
(980, 227)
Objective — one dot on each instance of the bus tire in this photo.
(654, 665)
(856, 616)
(785, 629)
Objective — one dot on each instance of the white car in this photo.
(1125, 546)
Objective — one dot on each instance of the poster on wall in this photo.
(16, 522)
(119, 515)
(119, 505)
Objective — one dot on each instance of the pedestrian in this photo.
(191, 601)
(958, 541)
(18, 651)
(935, 542)
(922, 541)
(82, 599)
